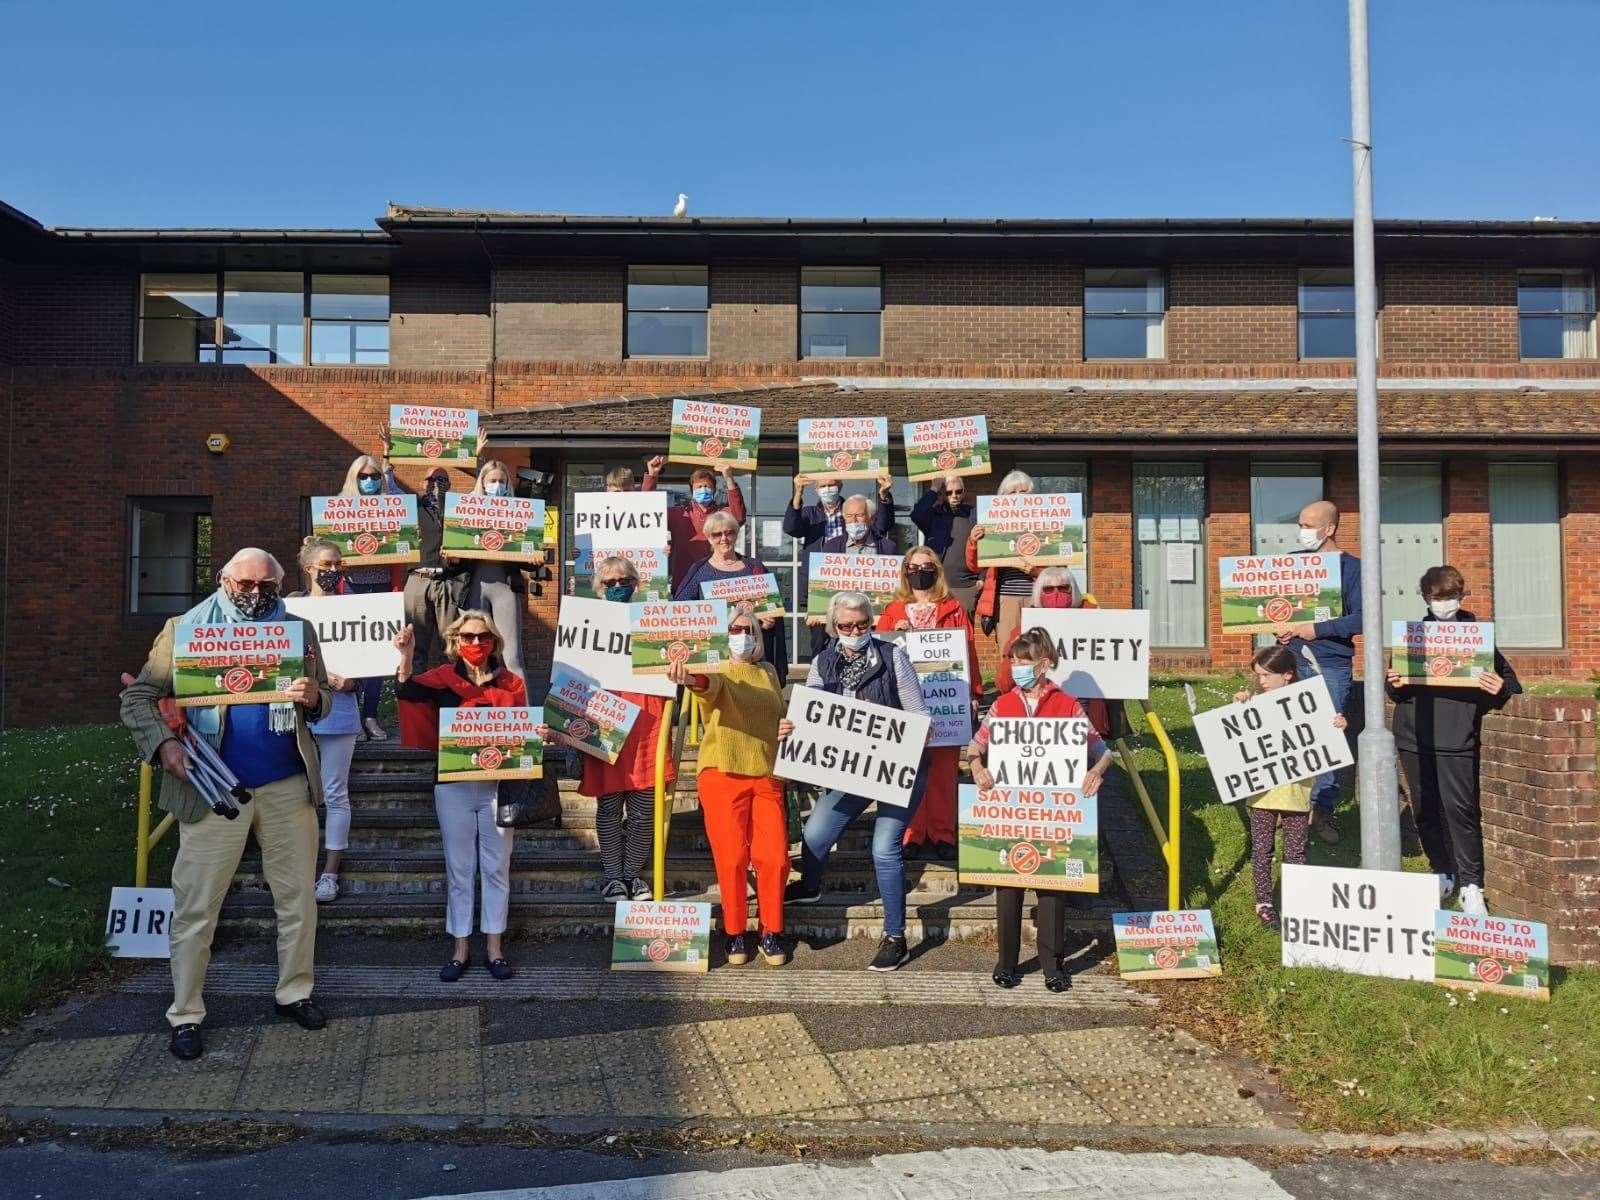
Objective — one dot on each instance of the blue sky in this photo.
(290, 114)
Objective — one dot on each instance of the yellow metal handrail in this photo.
(1168, 837)
(146, 839)
(670, 749)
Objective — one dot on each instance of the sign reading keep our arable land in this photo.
(947, 446)
(499, 528)
(490, 743)
(844, 447)
(238, 663)
(369, 530)
(1032, 529)
(1442, 653)
(1259, 592)
(707, 434)
(427, 436)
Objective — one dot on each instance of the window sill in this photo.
(867, 358)
(1126, 360)
(1586, 358)
(666, 358)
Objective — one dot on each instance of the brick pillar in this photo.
(1580, 552)
(1541, 820)
(1466, 531)
(1227, 535)
(1111, 532)
(1342, 485)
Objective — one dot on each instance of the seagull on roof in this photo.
(681, 208)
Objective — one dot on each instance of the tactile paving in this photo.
(1040, 1104)
(425, 1032)
(786, 1086)
(78, 1073)
(155, 1079)
(441, 1082)
(892, 1072)
(746, 1039)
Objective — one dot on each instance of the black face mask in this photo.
(253, 606)
(328, 581)
(922, 578)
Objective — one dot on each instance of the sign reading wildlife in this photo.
(844, 447)
(241, 663)
(1278, 737)
(878, 575)
(1032, 529)
(1045, 838)
(714, 435)
(489, 743)
(940, 657)
(1491, 954)
(369, 530)
(1363, 922)
(592, 638)
(863, 749)
(139, 922)
(1166, 944)
(433, 436)
(1038, 752)
(679, 633)
(1259, 592)
(499, 528)
(947, 446)
(1442, 653)
(355, 633)
(1102, 653)
(652, 935)
(655, 578)
(754, 594)
(612, 520)
(591, 719)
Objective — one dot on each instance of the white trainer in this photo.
(327, 887)
(1447, 884)
(1472, 901)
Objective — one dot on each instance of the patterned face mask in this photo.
(253, 606)
(328, 581)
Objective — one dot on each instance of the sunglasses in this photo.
(853, 626)
(369, 475)
(474, 638)
(1056, 590)
(265, 586)
(723, 533)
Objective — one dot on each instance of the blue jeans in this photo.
(827, 823)
(1336, 674)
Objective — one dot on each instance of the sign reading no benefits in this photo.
(863, 749)
(237, 663)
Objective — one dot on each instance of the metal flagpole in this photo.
(1380, 799)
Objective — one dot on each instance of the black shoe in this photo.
(892, 955)
(187, 1043)
(912, 851)
(799, 893)
(1005, 979)
(1058, 983)
(638, 889)
(946, 851)
(303, 1013)
(453, 970)
(501, 969)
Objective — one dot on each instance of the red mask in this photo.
(1054, 599)
(475, 653)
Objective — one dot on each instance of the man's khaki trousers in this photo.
(209, 850)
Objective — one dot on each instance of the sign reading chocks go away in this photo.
(239, 663)
(489, 743)
(714, 435)
(652, 935)
(1032, 529)
(947, 446)
(1259, 592)
(368, 529)
(1442, 653)
(426, 436)
(687, 633)
(501, 528)
(844, 447)
(589, 718)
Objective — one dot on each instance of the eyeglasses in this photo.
(474, 638)
(852, 626)
(264, 586)
(615, 582)
(720, 534)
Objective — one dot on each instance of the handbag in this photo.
(528, 803)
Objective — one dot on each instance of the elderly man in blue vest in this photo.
(270, 749)
(1330, 643)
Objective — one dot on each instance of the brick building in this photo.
(1192, 379)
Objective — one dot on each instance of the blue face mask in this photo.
(704, 495)
(619, 593)
(368, 487)
(1023, 675)
(497, 489)
(828, 494)
(856, 529)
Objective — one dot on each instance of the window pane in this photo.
(353, 297)
(1525, 520)
(169, 555)
(180, 296)
(1169, 505)
(178, 340)
(1131, 290)
(1555, 292)
(1412, 512)
(668, 288)
(1328, 337)
(840, 335)
(1122, 337)
(263, 315)
(1327, 289)
(840, 289)
(664, 333)
(1278, 491)
(349, 342)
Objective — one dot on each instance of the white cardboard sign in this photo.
(592, 638)
(860, 748)
(355, 633)
(1361, 922)
(1104, 653)
(1278, 737)
(139, 922)
(940, 657)
(618, 520)
(1038, 752)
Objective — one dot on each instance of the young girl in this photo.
(1289, 803)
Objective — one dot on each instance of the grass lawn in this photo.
(1360, 1053)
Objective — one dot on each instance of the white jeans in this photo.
(473, 843)
(336, 750)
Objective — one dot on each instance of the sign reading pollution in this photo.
(844, 447)
(1259, 592)
(654, 935)
(1166, 945)
(1032, 529)
(878, 575)
(355, 633)
(433, 436)
(240, 663)
(482, 744)
(1045, 838)
(369, 530)
(947, 446)
(1491, 954)
(1278, 737)
(1442, 653)
(754, 594)
(499, 528)
(714, 435)
(683, 633)
(590, 718)
(655, 579)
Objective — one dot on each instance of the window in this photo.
(1052, 477)
(264, 317)
(1327, 313)
(841, 312)
(1412, 514)
(169, 553)
(667, 308)
(1169, 511)
(1555, 314)
(1278, 491)
(1123, 310)
(1525, 535)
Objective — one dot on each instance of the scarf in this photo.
(218, 609)
(853, 672)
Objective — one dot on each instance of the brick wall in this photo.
(983, 312)
(74, 317)
(8, 313)
(1228, 534)
(1238, 312)
(438, 320)
(1111, 532)
(1466, 531)
(1459, 313)
(1541, 820)
(754, 312)
(563, 311)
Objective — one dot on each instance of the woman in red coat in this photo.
(1056, 587)
(924, 602)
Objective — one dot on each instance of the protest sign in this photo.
(1491, 954)
(1442, 653)
(1044, 838)
(714, 435)
(863, 749)
(651, 935)
(242, 663)
(489, 743)
(686, 633)
(592, 638)
(1038, 752)
(1102, 653)
(1362, 922)
(754, 594)
(609, 520)
(1166, 945)
(369, 530)
(655, 577)
(356, 632)
(844, 447)
(139, 922)
(1275, 738)
(498, 528)
(433, 436)
(947, 446)
(1032, 529)
(1259, 592)
(591, 719)
(940, 657)
(878, 575)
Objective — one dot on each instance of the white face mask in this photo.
(741, 645)
(1310, 538)
(497, 488)
(828, 494)
(854, 641)
(1443, 610)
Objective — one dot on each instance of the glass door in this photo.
(1169, 509)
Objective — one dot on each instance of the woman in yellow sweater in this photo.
(741, 802)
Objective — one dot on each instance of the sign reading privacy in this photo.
(947, 446)
(862, 749)
(1278, 737)
(1101, 653)
(355, 633)
(433, 436)
(240, 663)
(1259, 592)
(843, 447)
(714, 435)
(1442, 653)
(1362, 922)
(607, 520)
(369, 530)
(592, 638)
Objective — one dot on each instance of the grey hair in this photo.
(720, 519)
(872, 505)
(1054, 577)
(613, 562)
(854, 601)
(1015, 481)
(251, 552)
